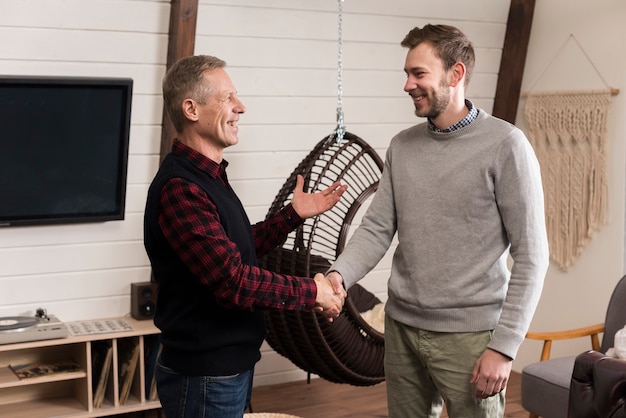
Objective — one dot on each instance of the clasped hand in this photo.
(330, 295)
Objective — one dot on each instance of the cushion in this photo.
(545, 387)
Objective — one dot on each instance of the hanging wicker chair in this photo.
(349, 350)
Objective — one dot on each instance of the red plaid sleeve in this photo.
(191, 223)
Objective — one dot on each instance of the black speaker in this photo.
(143, 298)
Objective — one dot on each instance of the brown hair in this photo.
(449, 43)
(184, 80)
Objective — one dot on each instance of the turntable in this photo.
(17, 329)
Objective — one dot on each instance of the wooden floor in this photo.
(321, 398)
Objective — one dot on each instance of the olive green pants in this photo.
(424, 369)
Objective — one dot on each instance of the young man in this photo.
(463, 192)
(204, 252)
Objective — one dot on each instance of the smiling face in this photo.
(219, 115)
(427, 81)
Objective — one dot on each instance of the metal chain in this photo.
(340, 130)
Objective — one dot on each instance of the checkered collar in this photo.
(471, 116)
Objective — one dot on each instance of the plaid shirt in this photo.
(191, 223)
(469, 118)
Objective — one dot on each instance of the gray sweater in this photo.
(460, 202)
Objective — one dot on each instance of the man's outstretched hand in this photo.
(307, 205)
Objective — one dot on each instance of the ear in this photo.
(190, 109)
(457, 74)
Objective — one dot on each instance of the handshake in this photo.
(330, 295)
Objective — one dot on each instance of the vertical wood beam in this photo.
(181, 43)
(513, 59)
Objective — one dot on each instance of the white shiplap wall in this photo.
(282, 57)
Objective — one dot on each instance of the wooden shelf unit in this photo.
(71, 394)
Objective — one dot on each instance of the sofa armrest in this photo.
(598, 387)
(610, 376)
(582, 389)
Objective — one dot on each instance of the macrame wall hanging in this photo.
(567, 130)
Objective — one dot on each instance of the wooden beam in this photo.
(513, 59)
(181, 43)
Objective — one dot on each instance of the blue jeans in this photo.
(203, 396)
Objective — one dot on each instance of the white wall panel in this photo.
(136, 195)
(486, 11)
(284, 137)
(141, 168)
(262, 165)
(146, 109)
(107, 15)
(265, 52)
(76, 285)
(72, 258)
(37, 238)
(253, 21)
(146, 77)
(91, 46)
(301, 110)
(479, 10)
(272, 82)
(259, 192)
(145, 139)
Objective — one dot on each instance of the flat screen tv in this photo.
(63, 149)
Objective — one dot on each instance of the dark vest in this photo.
(200, 337)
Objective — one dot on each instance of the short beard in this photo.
(439, 101)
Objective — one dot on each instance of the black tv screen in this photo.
(63, 149)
